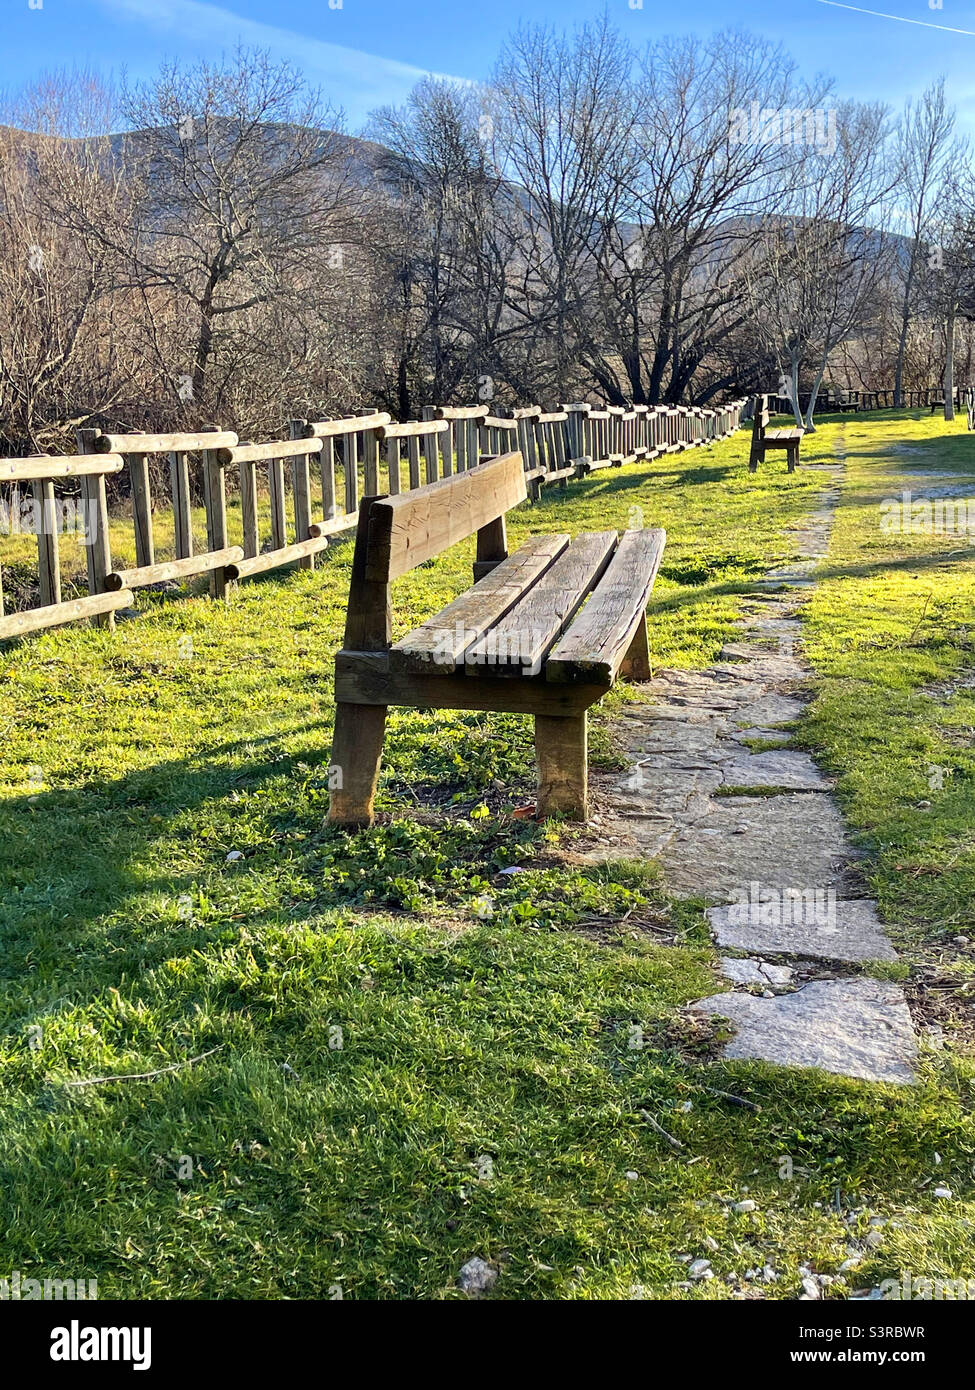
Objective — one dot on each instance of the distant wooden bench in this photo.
(516, 641)
(764, 439)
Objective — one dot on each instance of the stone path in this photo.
(736, 815)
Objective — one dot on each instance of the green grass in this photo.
(421, 1059)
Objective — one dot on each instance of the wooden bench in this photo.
(515, 641)
(764, 439)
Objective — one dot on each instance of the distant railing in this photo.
(831, 400)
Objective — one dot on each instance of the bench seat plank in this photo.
(783, 436)
(594, 647)
(518, 644)
(438, 645)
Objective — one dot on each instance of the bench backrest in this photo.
(395, 534)
(760, 417)
(415, 526)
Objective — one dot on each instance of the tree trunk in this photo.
(810, 409)
(950, 367)
(403, 388)
(905, 324)
(794, 390)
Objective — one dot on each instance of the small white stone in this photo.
(711, 1244)
(810, 1289)
(961, 941)
(747, 1205)
(943, 1192)
(234, 855)
(700, 1269)
(477, 1276)
(631, 1176)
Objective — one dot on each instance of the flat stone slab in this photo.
(857, 1028)
(771, 629)
(800, 920)
(774, 768)
(641, 835)
(767, 667)
(773, 840)
(684, 742)
(668, 791)
(772, 708)
(754, 972)
(766, 735)
(786, 573)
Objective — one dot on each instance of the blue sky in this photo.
(369, 52)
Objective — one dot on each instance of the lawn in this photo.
(413, 1058)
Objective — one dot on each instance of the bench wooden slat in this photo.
(415, 526)
(365, 678)
(438, 645)
(595, 645)
(520, 641)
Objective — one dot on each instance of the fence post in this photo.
(99, 550)
(576, 411)
(215, 503)
(45, 517)
(301, 490)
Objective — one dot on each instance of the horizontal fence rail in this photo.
(289, 496)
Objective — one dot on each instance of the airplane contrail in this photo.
(878, 14)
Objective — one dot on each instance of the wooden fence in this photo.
(838, 401)
(357, 456)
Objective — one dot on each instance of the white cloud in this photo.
(353, 79)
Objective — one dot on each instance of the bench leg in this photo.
(753, 463)
(636, 663)
(560, 747)
(792, 459)
(357, 748)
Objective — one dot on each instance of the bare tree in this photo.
(948, 273)
(439, 236)
(65, 330)
(238, 202)
(925, 155)
(817, 280)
